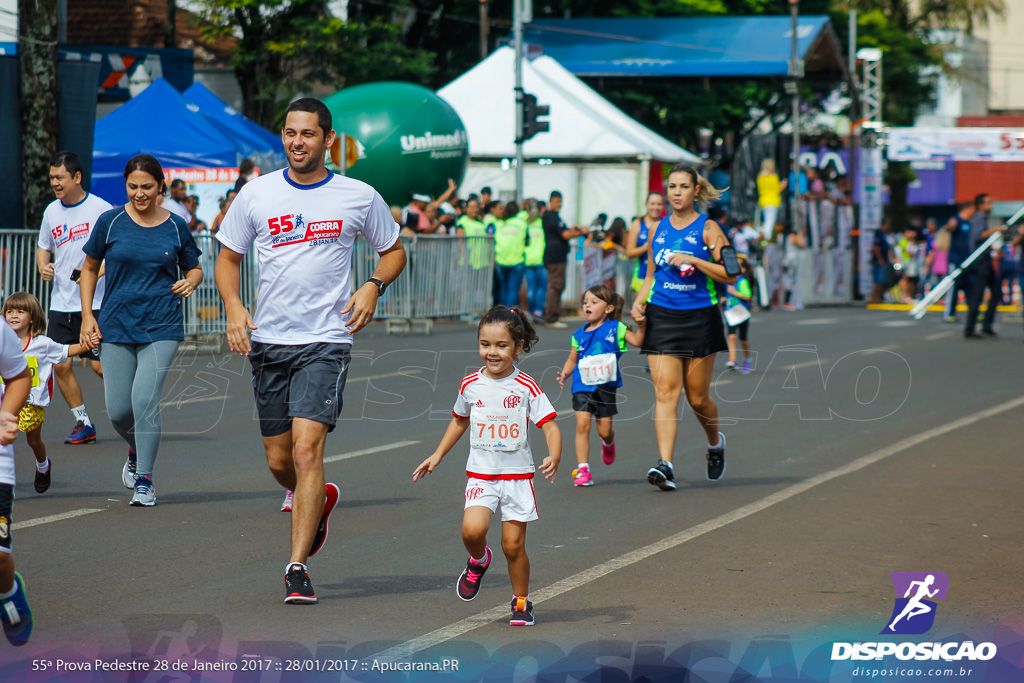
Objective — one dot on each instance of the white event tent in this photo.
(594, 154)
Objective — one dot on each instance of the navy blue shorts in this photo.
(65, 328)
(600, 402)
(304, 381)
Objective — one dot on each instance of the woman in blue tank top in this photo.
(638, 235)
(679, 304)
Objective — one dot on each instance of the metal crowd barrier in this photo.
(204, 310)
(18, 271)
(447, 276)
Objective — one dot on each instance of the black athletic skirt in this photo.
(696, 333)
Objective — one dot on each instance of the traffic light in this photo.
(531, 117)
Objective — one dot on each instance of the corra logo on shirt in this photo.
(692, 239)
(479, 403)
(63, 235)
(292, 229)
(512, 401)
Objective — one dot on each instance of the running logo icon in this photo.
(914, 612)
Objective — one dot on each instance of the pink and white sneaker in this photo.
(581, 477)
(608, 452)
(286, 506)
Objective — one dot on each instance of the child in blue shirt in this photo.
(593, 365)
(740, 293)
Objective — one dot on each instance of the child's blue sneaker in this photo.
(16, 615)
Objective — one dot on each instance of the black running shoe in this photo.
(522, 612)
(43, 478)
(330, 500)
(716, 460)
(298, 589)
(661, 475)
(469, 583)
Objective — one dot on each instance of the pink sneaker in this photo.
(581, 477)
(608, 452)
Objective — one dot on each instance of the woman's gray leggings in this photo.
(133, 379)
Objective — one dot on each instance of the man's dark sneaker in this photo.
(82, 433)
(469, 583)
(989, 333)
(972, 335)
(43, 478)
(661, 475)
(298, 589)
(16, 615)
(716, 459)
(522, 612)
(332, 494)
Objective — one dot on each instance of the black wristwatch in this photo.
(379, 284)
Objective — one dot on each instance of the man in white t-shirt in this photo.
(176, 202)
(67, 223)
(303, 221)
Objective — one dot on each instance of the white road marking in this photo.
(880, 349)
(938, 335)
(410, 371)
(194, 400)
(18, 526)
(898, 323)
(816, 321)
(367, 451)
(556, 589)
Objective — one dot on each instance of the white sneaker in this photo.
(128, 474)
(145, 493)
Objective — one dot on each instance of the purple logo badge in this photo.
(914, 612)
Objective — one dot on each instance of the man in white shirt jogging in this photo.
(175, 202)
(303, 221)
(66, 226)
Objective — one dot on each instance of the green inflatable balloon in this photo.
(414, 140)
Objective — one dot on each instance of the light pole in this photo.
(796, 72)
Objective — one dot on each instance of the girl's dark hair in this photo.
(518, 325)
(652, 193)
(147, 164)
(511, 209)
(606, 295)
(23, 301)
(617, 232)
(493, 205)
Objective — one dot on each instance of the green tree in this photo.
(902, 30)
(37, 52)
(286, 46)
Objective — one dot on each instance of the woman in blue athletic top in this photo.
(636, 238)
(679, 303)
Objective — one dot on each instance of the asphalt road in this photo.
(863, 444)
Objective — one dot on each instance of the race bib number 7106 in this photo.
(495, 429)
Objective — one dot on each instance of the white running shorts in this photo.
(516, 497)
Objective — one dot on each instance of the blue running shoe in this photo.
(82, 433)
(16, 615)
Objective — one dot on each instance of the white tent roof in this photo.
(583, 124)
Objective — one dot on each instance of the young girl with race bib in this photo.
(737, 315)
(593, 365)
(25, 316)
(496, 404)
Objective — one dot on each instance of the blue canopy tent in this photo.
(689, 47)
(159, 122)
(251, 140)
